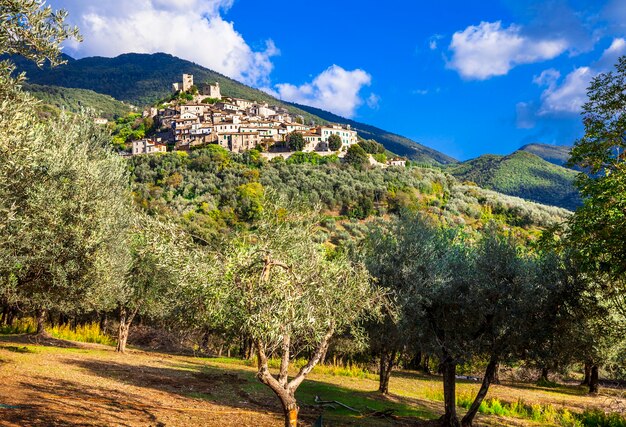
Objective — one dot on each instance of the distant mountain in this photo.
(556, 154)
(74, 100)
(393, 142)
(143, 79)
(524, 175)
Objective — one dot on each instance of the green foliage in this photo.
(312, 158)
(295, 141)
(334, 142)
(356, 156)
(522, 174)
(250, 201)
(33, 30)
(372, 147)
(77, 100)
(67, 214)
(597, 418)
(210, 100)
(130, 128)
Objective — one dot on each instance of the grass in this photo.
(351, 370)
(89, 332)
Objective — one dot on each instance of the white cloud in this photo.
(487, 50)
(191, 29)
(336, 90)
(569, 96)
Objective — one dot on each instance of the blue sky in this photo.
(463, 77)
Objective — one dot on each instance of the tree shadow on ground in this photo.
(62, 403)
(239, 389)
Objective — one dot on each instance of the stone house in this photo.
(148, 146)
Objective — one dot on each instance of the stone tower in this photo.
(187, 82)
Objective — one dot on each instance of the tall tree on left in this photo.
(63, 193)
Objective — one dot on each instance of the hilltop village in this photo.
(200, 115)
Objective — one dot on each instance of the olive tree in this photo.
(33, 30)
(290, 296)
(67, 199)
(161, 261)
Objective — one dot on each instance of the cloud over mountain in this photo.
(335, 89)
(191, 29)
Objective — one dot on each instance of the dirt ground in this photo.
(58, 383)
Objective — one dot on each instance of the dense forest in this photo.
(75, 100)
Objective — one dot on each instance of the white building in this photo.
(148, 146)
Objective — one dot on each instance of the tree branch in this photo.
(314, 360)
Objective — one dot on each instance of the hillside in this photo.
(142, 79)
(393, 142)
(74, 100)
(556, 154)
(524, 175)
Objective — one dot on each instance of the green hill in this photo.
(524, 175)
(393, 142)
(74, 100)
(143, 79)
(556, 154)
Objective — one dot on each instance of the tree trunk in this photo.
(468, 419)
(593, 380)
(104, 323)
(544, 374)
(41, 318)
(386, 366)
(587, 378)
(449, 419)
(495, 379)
(122, 332)
(426, 365)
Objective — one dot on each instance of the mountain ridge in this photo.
(522, 174)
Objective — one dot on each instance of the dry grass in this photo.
(55, 382)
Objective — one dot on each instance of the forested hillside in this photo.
(557, 154)
(142, 79)
(211, 190)
(524, 175)
(75, 100)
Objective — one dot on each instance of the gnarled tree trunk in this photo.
(387, 361)
(122, 332)
(468, 419)
(41, 319)
(284, 389)
(449, 419)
